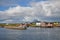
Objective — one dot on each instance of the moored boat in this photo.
(21, 27)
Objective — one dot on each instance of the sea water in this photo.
(30, 34)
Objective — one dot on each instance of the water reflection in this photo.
(30, 34)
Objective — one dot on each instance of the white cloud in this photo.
(37, 10)
(47, 8)
(53, 0)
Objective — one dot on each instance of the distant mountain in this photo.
(36, 21)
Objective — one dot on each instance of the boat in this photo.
(17, 28)
(21, 27)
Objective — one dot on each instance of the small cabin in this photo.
(49, 25)
(56, 24)
(43, 24)
(46, 24)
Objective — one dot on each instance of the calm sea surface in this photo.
(30, 34)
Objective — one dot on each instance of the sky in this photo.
(17, 11)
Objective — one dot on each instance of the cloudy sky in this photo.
(17, 11)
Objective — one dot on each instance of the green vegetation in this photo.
(4, 24)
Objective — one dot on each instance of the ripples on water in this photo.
(30, 34)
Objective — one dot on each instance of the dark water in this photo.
(30, 34)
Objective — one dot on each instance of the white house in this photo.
(38, 24)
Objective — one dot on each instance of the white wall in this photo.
(38, 24)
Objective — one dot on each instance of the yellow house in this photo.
(56, 24)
